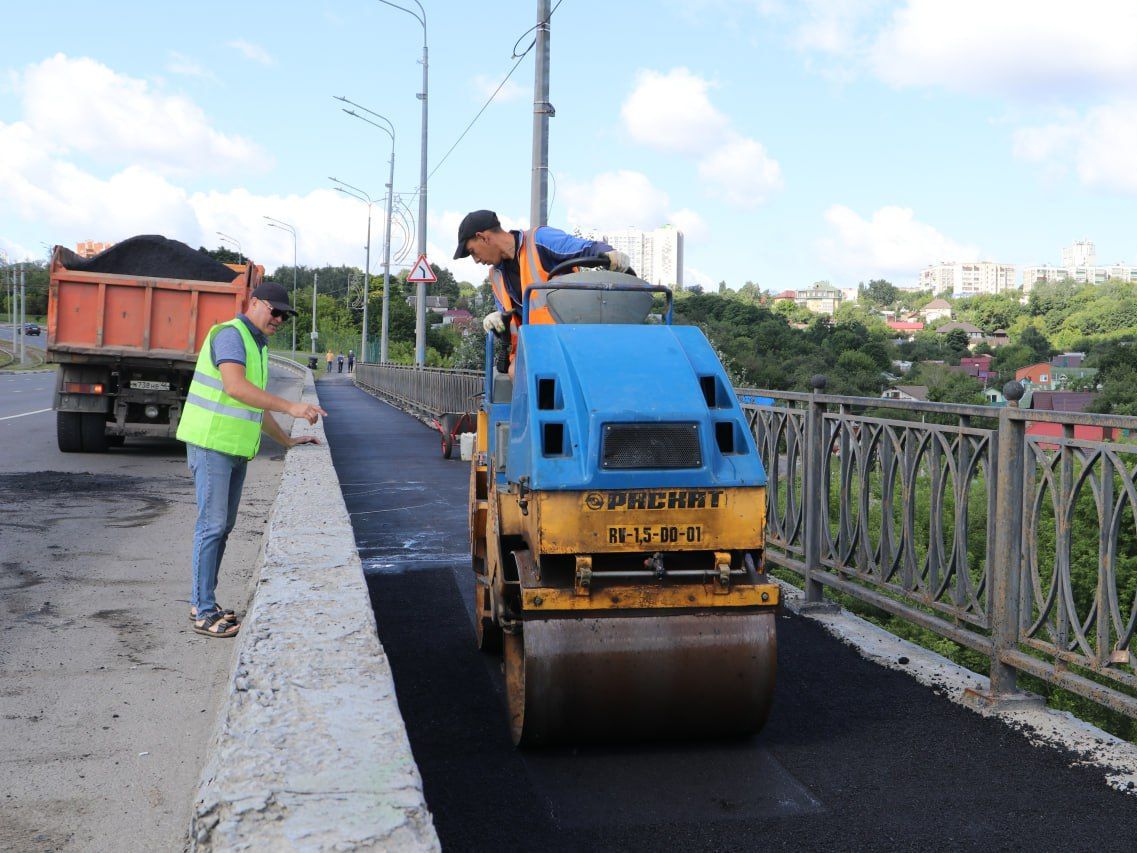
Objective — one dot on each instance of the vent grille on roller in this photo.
(651, 446)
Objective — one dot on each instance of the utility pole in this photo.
(542, 112)
(420, 288)
(315, 287)
(387, 263)
(23, 311)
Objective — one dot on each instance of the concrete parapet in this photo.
(310, 750)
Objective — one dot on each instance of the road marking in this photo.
(24, 414)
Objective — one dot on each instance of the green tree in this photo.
(879, 292)
(957, 343)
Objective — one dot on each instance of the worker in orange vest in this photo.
(520, 259)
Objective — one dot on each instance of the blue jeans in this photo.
(218, 480)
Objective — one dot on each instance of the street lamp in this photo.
(390, 131)
(420, 288)
(284, 226)
(235, 242)
(356, 192)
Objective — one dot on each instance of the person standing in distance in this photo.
(226, 410)
(520, 259)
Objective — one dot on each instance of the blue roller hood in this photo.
(570, 381)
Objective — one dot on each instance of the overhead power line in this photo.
(500, 85)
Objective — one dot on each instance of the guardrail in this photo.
(426, 392)
(960, 519)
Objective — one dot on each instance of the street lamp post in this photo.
(235, 242)
(420, 288)
(390, 131)
(356, 192)
(284, 226)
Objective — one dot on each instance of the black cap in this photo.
(478, 220)
(274, 295)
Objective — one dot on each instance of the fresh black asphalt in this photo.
(854, 757)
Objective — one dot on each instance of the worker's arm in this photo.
(237, 386)
(556, 246)
(273, 430)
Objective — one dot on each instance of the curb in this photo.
(310, 749)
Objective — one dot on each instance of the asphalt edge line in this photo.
(310, 750)
(1042, 726)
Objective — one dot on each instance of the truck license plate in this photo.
(146, 385)
(662, 535)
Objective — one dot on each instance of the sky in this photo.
(791, 141)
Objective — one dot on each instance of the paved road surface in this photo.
(107, 699)
(855, 757)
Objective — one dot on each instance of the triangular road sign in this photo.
(421, 271)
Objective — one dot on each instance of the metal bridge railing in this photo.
(960, 519)
(426, 392)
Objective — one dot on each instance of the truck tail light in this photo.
(83, 387)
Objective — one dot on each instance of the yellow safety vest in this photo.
(211, 418)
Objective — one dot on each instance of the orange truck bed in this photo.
(100, 314)
(127, 344)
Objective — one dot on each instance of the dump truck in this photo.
(125, 328)
(617, 512)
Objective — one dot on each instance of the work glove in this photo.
(618, 261)
(493, 322)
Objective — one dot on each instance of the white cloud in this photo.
(485, 86)
(620, 199)
(1101, 146)
(252, 51)
(696, 276)
(691, 224)
(835, 27)
(81, 105)
(672, 112)
(741, 172)
(890, 244)
(186, 67)
(1038, 48)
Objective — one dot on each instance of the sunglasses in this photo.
(277, 313)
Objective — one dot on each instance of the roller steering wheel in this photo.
(591, 262)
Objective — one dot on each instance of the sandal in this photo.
(230, 615)
(216, 625)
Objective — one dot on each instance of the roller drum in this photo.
(640, 677)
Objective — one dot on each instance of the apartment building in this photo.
(1079, 264)
(967, 278)
(656, 256)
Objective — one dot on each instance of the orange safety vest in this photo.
(532, 272)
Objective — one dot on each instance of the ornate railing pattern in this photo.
(949, 516)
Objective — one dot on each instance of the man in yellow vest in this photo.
(520, 259)
(226, 409)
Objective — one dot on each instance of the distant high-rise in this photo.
(1079, 264)
(968, 278)
(1080, 254)
(656, 256)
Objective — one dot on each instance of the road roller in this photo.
(617, 509)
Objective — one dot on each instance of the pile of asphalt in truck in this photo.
(151, 255)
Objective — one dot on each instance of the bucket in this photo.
(466, 445)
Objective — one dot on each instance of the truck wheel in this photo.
(69, 432)
(94, 432)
